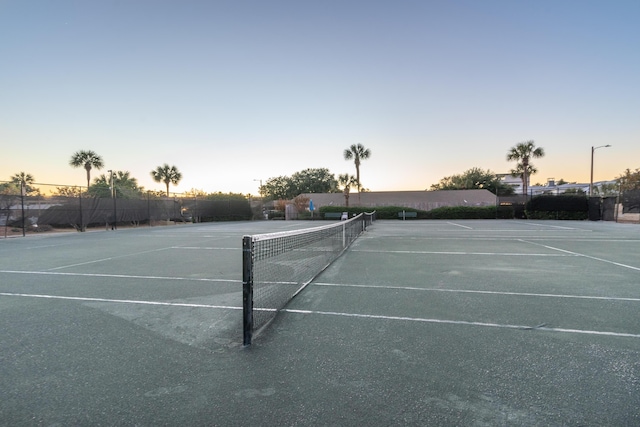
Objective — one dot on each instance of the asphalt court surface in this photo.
(418, 323)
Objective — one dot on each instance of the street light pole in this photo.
(113, 196)
(593, 149)
(22, 191)
(260, 189)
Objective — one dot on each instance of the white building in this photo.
(551, 187)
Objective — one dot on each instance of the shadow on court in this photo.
(418, 323)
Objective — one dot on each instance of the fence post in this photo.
(194, 214)
(22, 203)
(247, 289)
(80, 200)
(115, 211)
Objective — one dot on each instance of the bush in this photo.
(449, 212)
(383, 212)
(40, 228)
(351, 210)
(463, 212)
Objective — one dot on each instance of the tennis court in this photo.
(418, 323)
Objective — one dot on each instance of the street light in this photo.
(591, 182)
(260, 189)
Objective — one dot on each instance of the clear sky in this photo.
(236, 91)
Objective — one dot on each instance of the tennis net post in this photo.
(247, 289)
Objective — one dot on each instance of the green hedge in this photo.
(564, 207)
(462, 212)
(385, 212)
(449, 212)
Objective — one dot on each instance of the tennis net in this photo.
(277, 266)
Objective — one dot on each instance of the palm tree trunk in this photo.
(358, 179)
(88, 168)
(525, 178)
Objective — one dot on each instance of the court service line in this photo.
(468, 291)
(555, 226)
(463, 322)
(514, 239)
(108, 259)
(461, 253)
(329, 313)
(460, 225)
(120, 276)
(210, 248)
(47, 246)
(583, 255)
(121, 301)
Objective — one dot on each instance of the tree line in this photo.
(313, 180)
(318, 180)
(477, 178)
(88, 160)
(118, 184)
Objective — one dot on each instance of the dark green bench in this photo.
(407, 214)
(332, 215)
(336, 215)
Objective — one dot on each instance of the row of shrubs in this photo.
(541, 207)
(452, 212)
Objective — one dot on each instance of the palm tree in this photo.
(522, 153)
(357, 152)
(24, 180)
(125, 186)
(167, 174)
(347, 181)
(87, 159)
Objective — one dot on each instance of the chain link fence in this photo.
(27, 209)
(622, 208)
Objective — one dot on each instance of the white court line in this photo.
(47, 246)
(206, 248)
(460, 253)
(108, 259)
(120, 276)
(515, 239)
(555, 226)
(120, 301)
(460, 225)
(330, 313)
(468, 291)
(583, 255)
(462, 322)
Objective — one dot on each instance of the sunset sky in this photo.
(233, 92)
